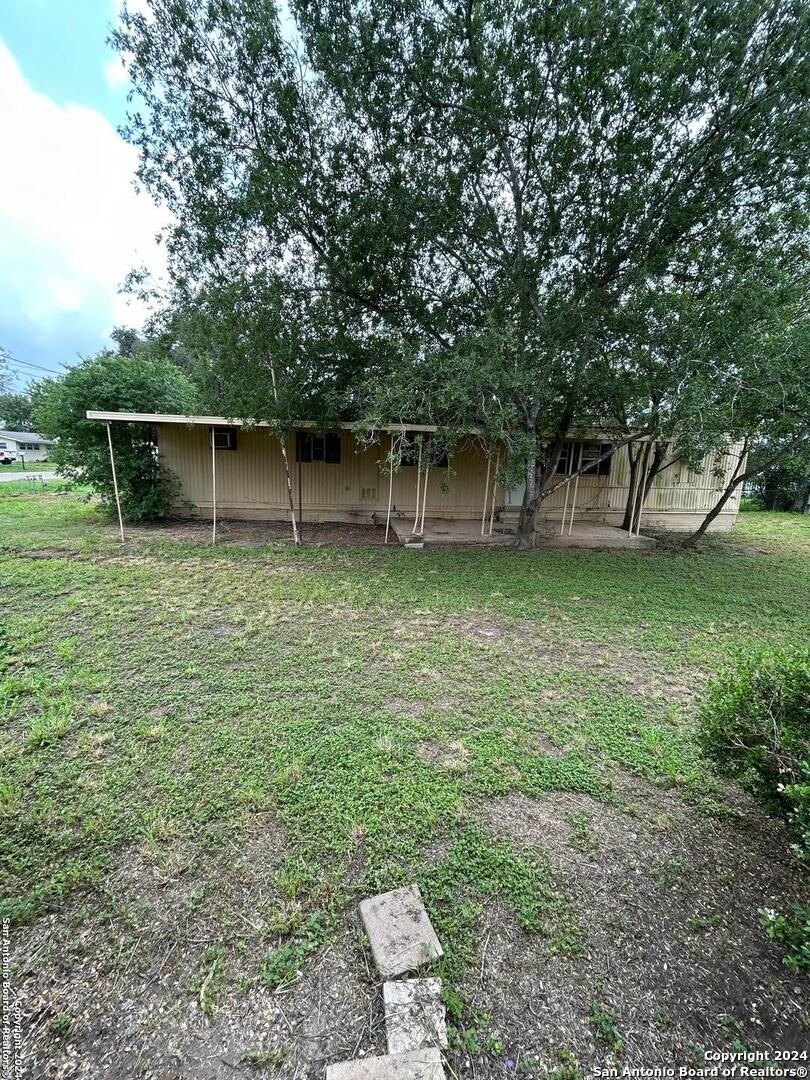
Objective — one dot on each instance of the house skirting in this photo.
(676, 520)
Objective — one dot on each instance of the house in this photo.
(232, 470)
(23, 446)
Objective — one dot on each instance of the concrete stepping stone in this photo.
(416, 1065)
(399, 931)
(414, 1015)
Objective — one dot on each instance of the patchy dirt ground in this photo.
(257, 533)
(204, 752)
(673, 959)
(157, 984)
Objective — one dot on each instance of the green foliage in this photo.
(16, 412)
(786, 484)
(533, 261)
(793, 932)
(61, 1024)
(603, 1022)
(109, 382)
(755, 721)
(281, 965)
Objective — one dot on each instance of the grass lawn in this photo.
(210, 755)
(29, 466)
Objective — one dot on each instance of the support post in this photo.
(115, 483)
(576, 490)
(424, 496)
(638, 502)
(494, 490)
(565, 505)
(642, 494)
(390, 489)
(300, 503)
(418, 486)
(486, 495)
(213, 488)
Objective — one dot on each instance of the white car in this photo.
(7, 457)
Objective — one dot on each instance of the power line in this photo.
(39, 367)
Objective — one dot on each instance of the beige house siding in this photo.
(251, 484)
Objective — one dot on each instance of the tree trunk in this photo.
(630, 506)
(640, 466)
(801, 497)
(737, 478)
(296, 535)
(715, 510)
(282, 439)
(538, 476)
(527, 519)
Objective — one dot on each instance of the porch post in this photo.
(115, 483)
(486, 492)
(424, 496)
(565, 508)
(642, 493)
(576, 489)
(418, 485)
(494, 490)
(390, 489)
(213, 488)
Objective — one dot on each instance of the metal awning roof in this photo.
(223, 421)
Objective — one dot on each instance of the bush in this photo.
(755, 722)
(111, 383)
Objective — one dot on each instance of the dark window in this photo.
(224, 438)
(591, 452)
(311, 447)
(437, 455)
(570, 459)
(565, 464)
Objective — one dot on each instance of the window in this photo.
(437, 457)
(29, 446)
(570, 460)
(566, 457)
(224, 438)
(591, 452)
(311, 447)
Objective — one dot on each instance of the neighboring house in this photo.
(338, 477)
(23, 446)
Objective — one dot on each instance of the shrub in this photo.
(110, 383)
(755, 722)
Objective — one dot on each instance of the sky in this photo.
(71, 223)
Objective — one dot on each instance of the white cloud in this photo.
(115, 72)
(71, 223)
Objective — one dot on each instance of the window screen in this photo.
(591, 451)
(311, 447)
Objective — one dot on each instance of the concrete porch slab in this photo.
(399, 931)
(592, 535)
(416, 1065)
(441, 531)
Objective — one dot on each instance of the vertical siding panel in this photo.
(251, 483)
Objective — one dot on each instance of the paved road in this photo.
(8, 477)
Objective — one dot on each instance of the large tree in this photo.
(468, 191)
(16, 411)
(111, 383)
